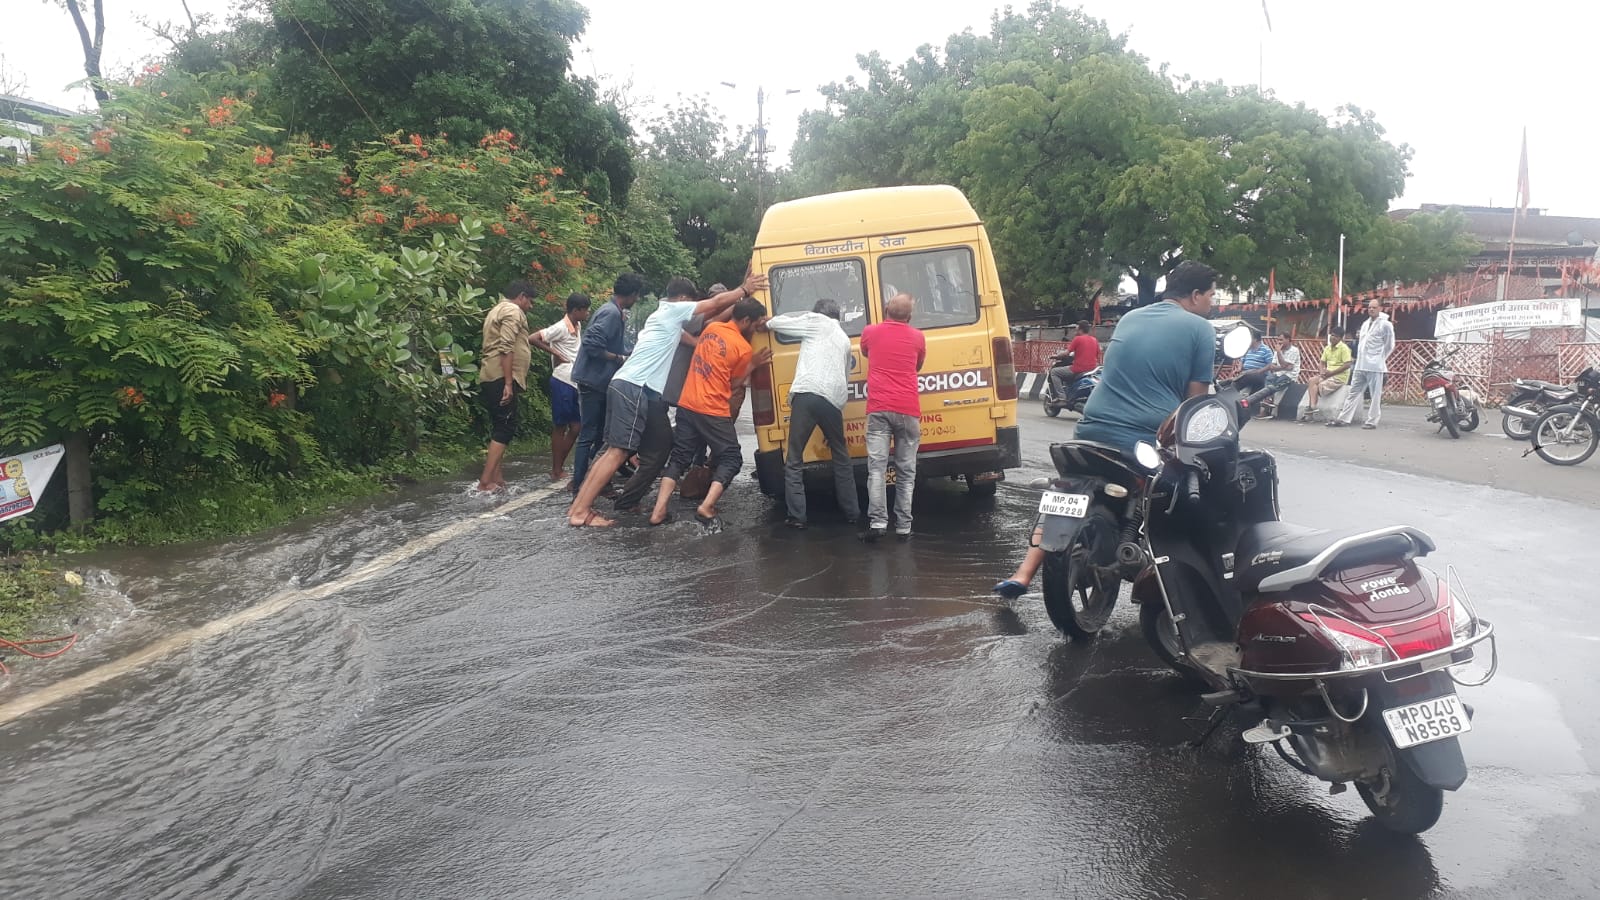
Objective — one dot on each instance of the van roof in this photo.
(850, 214)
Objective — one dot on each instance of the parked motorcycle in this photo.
(1337, 643)
(1567, 434)
(1455, 407)
(1078, 391)
(1528, 401)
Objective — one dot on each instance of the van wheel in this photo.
(981, 489)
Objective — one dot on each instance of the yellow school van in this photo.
(859, 248)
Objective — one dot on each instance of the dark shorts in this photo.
(627, 413)
(714, 435)
(563, 402)
(502, 416)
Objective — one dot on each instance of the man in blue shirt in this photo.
(600, 355)
(1159, 356)
(1259, 361)
(635, 409)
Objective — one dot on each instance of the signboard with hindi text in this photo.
(1508, 314)
(23, 477)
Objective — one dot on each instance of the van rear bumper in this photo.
(1005, 453)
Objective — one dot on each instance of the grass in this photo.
(32, 587)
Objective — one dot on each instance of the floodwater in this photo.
(527, 710)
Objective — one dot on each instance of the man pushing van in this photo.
(816, 400)
(895, 352)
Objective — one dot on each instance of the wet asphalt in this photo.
(528, 710)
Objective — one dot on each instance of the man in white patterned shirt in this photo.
(816, 400)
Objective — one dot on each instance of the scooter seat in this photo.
(1276, 556)
(1539, 385)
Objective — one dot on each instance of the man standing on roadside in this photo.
(561, 341)
(722, 361)
(895, 352)
(601, 352)
(634, 403)
(503, 374)
(1159, 356)
(816, 400)
(1374, 345)
(1335, 374)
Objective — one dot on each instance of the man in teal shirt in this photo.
(1158, 356)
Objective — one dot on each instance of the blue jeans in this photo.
(591, 431)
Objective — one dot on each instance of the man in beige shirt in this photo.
(503, 374)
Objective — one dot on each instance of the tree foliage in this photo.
(352, 71)
(1089, 165)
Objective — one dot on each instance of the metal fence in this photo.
(1546, 354)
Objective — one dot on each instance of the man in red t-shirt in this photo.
(722, 362)
(895, 352)
(1085, 353)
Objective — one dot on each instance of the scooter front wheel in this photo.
(1079, 589)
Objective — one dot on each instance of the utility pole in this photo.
(761, 148)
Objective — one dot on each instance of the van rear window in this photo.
(797, 288)
(944, 283)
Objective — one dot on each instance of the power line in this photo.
(327, 62)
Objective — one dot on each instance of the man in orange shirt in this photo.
(722, 362)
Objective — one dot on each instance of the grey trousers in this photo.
(807, 413)
(906, 431)
(1360, 383)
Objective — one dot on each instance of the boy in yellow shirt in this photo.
(1336, 362)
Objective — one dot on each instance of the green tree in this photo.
(1418, 248)
(352, 71)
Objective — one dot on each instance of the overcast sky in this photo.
(1458, 82)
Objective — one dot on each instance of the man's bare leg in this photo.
(561, 441)
(491, 477)
(581, 513)
(708, 506)
(663, 497)
(1017, 584)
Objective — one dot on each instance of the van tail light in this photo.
(762, 409)
(1005, 371)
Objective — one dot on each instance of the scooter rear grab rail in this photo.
(1422, 545)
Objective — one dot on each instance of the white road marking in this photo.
(277, 603)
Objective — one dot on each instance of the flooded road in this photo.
(526, 710)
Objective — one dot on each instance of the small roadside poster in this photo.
(23, 477)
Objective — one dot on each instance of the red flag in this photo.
(1272, 286)
(1095, 308)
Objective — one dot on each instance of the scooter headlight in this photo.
(1206, 424)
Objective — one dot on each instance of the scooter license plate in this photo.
(1053, 503)
(1436, 393)
(1427, 721)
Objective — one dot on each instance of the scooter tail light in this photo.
(762, 409)
(1463, 624)
(1005, 370)
(1431, 382)
(1360, 647)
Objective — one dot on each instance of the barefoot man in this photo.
(722, 362)
(561, 341)
(634, 402)
(503, 375)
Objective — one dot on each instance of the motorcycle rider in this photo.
(1081, 357)
(1159, 356)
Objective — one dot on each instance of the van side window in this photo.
(944, 283)
(798, 287)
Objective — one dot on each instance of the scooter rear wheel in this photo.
(1517, 429)
(1449, 417)
(1078, 592)
(1405, 805)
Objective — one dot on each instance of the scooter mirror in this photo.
(1236, 343)
(1147, 455)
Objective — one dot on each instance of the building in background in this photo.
(22, 114)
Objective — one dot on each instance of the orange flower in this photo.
(263, 156)
(69, 155)
(557, 171)
(416, 140)
(386, 189)
(538, 267)
(187, 131)
(498, 228)
(102, 140)
(276, 398)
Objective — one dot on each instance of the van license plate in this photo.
(1430, 720)
(1056, 504)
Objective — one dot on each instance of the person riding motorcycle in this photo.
(1081, 357)
(1159, 356)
